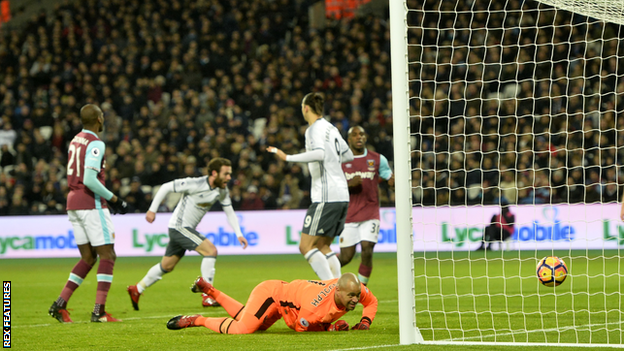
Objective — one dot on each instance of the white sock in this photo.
(319, 264)
(334, 264)
(153, 275)
(208, 268)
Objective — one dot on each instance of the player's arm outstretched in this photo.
(309, 321)
(93, 159)
(316, 155)
(174, 186)
(369, 301)
(233, 221)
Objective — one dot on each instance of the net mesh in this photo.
(516, 106)
(606, 10)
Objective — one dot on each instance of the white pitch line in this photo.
(367, 347)
(564, 328)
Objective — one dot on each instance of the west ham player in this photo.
(89, 215)
(305, 305)
(362, 225)
(326, 150)
(199, 194)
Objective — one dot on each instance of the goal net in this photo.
(509, 118)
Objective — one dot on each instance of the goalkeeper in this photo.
(305, 305)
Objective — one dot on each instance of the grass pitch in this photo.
(36, 283)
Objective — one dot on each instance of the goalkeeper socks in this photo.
(224, 325)
(364, 273)
(105, 279)
(319, 264)
(334, 264)
(231, 306)
(76, 277)
(208, 268)
(153, 275)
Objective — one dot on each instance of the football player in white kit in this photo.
(199, 194)
(326, 150)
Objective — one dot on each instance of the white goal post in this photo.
(408, 331)
(511, 105)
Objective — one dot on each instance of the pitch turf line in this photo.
(585, 327)
(124, 319)
(368, 347)
(139, 318)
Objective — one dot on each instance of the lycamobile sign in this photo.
(278, 232)
(38, 242)
(221, 238)
(617, 235)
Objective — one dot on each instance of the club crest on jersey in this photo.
(304, 322)
(371, 165)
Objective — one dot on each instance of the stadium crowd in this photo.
(530, 113)
(182, 81)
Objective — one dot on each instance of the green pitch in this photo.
(497, 297)
(36, 283)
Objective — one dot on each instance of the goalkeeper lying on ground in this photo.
(305, 305)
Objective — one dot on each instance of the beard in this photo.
(219, 182)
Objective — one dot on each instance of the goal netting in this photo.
(509, 105)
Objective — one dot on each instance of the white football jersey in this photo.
(329, 183)
(197, 199)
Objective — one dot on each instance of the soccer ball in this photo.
(551, 271)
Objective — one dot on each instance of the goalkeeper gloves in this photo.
(339, 326)
(119, 207)
(364, 324)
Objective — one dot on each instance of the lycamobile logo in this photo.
(552, 229)
(462, 234)
(618, 235)
(149, 242)
(38, 242)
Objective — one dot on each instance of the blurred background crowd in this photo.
(183, 81)
(517, 100)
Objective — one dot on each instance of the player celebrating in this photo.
(199, 195)
(362, 225)
(305, 305)
(325, 151)
(89, 215)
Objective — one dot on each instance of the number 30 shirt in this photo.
(86, 151)
(364, 199)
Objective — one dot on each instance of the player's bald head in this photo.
(349, 282)
(89, 115)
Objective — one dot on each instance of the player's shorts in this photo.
(182, 239)
(93, 227)
(325, 219)
(355, 232)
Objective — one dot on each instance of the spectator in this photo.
(135, 198)
(251, 200)
(228, 88)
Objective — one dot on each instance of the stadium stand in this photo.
(183, 81)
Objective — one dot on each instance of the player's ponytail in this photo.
(316, 102)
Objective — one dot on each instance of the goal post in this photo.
(510, 105)
(408, 331)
